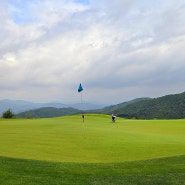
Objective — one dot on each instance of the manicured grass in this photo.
(61, 151)
(165, 171)
(64, 139)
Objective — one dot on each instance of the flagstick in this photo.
(81, 98)
(82, 113)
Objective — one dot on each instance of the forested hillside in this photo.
(166, 107)
(113, 108)
(48, 112)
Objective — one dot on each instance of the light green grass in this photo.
(60, 151)
(65, 139)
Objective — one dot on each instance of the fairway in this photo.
(64, 139)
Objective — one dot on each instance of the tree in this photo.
(8, 114)
(28, 115)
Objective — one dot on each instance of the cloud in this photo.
(118, 49)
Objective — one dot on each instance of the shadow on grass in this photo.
(164, 171)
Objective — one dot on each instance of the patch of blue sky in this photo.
(24, 17)
(85, 2)
(22, 13)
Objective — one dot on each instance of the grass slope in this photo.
(165, 171)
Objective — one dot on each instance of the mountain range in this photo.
(18, 106)
(165, 107)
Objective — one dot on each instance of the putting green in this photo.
(65, 139)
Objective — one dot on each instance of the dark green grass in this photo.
(163, 171)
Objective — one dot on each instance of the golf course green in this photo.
(64, 150)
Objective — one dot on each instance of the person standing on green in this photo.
(83, 116)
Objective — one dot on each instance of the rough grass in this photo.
(165, 171)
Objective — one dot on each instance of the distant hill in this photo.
(48, 112)
(166, 107)
(18, 106)
(113, 108)
(85, 106)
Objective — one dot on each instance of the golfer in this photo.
(83, 116)
(113, 118)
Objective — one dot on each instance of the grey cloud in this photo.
(171, 22)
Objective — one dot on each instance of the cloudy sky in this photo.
(119, 50)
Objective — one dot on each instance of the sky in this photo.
(119, 50)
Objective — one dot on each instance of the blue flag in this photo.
(80, 88)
